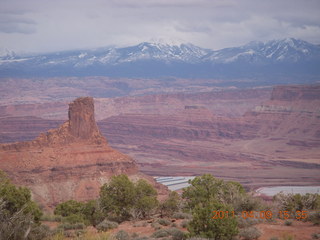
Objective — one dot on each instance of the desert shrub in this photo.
(117, 197)
(314, 217)
(92, 212)
(197, 238)
(122, 235)
(203, 225)
(135, 235)
(311, 201)
(51, 218)
(145, 199)
(176, 233)
(184, 224)
(19, 215)
(205, 189)
(174, 225)
(69, 226)
(156, 225)
(297, 202)
(48, 218)
(69, 234)
(160, 233)
(106, 225)
(206, 194)
(68, 208)
(73, 219)
(80, 232)
(73, 211)
(141, 238)
(181, 215)
(274, 238)
(170, 205)
(141, 224)
(164, 222)
(121, 199)
(246, 202)
(250, 233)
(244, 223)
(315, 235)
(39, 232)
(288, 222)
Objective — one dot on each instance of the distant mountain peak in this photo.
(158, 58)
(6, 53)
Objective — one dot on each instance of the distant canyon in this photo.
(259, 136)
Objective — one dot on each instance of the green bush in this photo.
(145, 199)
(68, 208)
(73, 211)
(92, 212)
(176, 233)
(19, 215)
(297, 202)
(207, 189)
(121, 199)
(164, 222)
(181, 215)
(135, 235)
(17, 199)
(198, 238)
(73, 218)
(122, 235)
(69, 226)
(160, 233)
(244, 223)
(247, 202)
(184, 224)
(250, 233)
(206, 194)
(141, 224)
(106, 225)
(39, 232)
(203, 225)
(170, 205)
(156, 225)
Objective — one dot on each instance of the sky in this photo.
(57, 25)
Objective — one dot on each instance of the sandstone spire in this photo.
(81, 118)
(70, 162)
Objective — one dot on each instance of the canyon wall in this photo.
(70, 162)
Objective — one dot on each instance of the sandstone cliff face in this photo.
(292, 112)
(70, 162)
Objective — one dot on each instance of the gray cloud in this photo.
(16, 24)
(45, 25)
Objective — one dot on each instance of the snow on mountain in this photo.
(153, 59)
(156, 51)
(285, 50)
(6, 53)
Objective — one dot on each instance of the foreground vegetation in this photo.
(209, 208)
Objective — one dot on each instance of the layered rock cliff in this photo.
(70, 162)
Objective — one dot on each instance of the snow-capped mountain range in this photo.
(281, 57)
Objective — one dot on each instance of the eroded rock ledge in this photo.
(70, 162)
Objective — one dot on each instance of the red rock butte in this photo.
(70, 162)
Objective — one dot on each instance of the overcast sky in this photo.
(51, 25)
